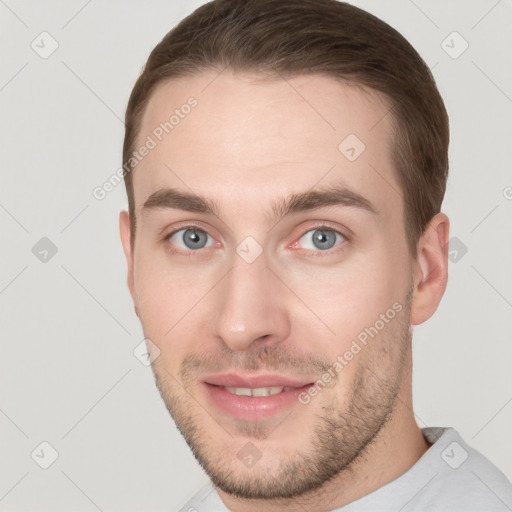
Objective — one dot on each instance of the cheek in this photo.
(170, 302)
(161, 286)
(353, 291)
(348, 300)
(157, 296)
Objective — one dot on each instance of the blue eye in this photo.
(191, 239)
(320, 239)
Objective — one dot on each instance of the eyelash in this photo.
(317, 253)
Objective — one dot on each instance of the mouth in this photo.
(253, 398)
(274, 390)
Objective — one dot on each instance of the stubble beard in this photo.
(338, 440)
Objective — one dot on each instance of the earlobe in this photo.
(125, 233)
(430, 269)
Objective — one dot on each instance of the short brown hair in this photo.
(293, 37)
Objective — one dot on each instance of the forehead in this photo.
(265, 137)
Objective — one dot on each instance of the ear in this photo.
(430, 272)
(126, 239)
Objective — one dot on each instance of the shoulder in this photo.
(451, 476)
(460, 477)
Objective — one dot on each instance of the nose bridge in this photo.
(250, 306)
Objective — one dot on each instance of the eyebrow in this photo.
(299, 202)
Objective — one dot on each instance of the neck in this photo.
(394, 450)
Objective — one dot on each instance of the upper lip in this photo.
(236, 380)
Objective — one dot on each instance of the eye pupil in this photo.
(194, 238)
(324, 238)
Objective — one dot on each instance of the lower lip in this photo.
(252, 408)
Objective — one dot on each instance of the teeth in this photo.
(255, 391)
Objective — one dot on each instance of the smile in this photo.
(252, 398)
(257, 391)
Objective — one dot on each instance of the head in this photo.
(285, 223)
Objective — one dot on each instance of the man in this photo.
(286, 161)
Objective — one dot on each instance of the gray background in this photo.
(68, 375)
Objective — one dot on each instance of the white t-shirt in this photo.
(449, 477)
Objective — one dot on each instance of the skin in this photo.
(295, 308)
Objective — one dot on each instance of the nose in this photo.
(250, 306)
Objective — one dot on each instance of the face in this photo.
(271, 274)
